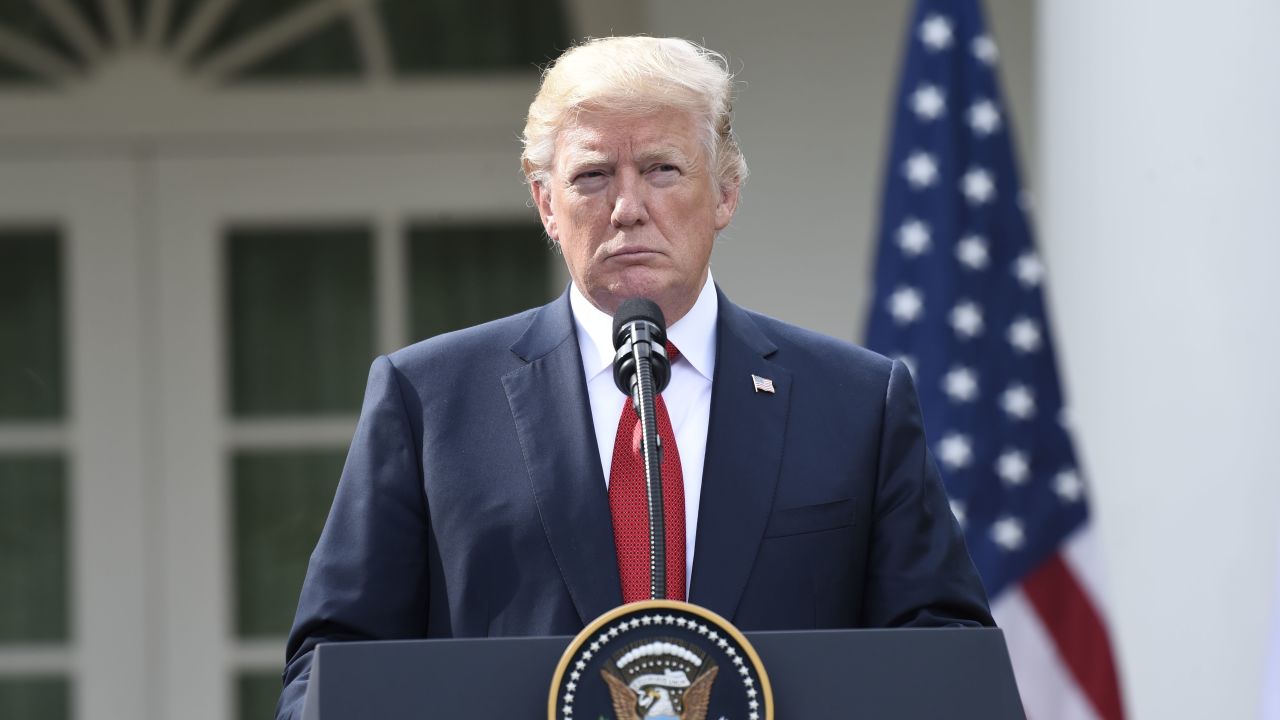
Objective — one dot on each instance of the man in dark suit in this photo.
(484, 490)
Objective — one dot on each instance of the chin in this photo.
(660, 285)
(655, 288)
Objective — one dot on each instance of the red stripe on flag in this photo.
(1079, 633)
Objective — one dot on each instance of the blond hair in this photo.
(636, 76)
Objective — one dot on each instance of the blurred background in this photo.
(215, 213)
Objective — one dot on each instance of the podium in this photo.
(816, 675)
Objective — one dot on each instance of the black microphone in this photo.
(640, 336)
(641, 370)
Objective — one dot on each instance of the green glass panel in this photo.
(12, 75)
(180, 12)
(281, 500)
(33, 550)
(301, 319)
(257, 694)
(28, 21)
(474, 35)
(327, 51)
(31, 345)
(91, 12)
(244, 18)
(35, 698)
(465, 275)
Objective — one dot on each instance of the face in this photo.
(634, 206)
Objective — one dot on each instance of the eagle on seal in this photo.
(651, 697)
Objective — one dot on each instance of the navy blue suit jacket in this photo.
(473, 503)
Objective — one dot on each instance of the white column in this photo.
(109, 500)
(1159, 199)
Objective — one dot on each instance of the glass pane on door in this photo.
(301, 319)
(31, 353)
(35, 518)
(35, 697)
(463, 275)
(281, 499)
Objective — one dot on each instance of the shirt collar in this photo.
(694, 334)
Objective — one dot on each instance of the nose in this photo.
(629, 206)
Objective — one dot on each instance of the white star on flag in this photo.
(984, 48)
(1013, 467)
(972, 252)
(1068, 485)
(928, 102)
(1028, 269)
(966, 319)
(955, 450)
(984, 118)
(906, 305)
(913, 237)
(957, 509)
(1007, 533)
(1019, 402)
(920, 169)
(978, 186)
(1024, 335)
(935, 33)
(960, 384)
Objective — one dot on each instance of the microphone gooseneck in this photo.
(641, 370)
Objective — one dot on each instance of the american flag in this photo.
(959, 297)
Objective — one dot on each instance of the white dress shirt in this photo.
(688, 396)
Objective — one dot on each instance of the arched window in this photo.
(226, 41)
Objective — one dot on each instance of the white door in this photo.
(279, 279)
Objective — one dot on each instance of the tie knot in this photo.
(672, 352)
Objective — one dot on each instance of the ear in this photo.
(542, 199)
(727, 205)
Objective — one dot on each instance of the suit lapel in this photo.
(744, 453)
(548, 399)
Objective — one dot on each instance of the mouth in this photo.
(632, 253)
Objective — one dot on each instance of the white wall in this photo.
(1161, 168)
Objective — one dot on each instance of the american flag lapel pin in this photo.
(762, 384)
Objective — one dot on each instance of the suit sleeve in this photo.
(367, 578)
(920, 573)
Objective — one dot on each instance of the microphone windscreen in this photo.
(637, 309)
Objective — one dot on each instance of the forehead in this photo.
(613, 136)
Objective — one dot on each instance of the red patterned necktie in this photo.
(629, 503)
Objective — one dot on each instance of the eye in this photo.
(589, 180)
(664, 174)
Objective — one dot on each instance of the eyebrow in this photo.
(589, 158)
(667, 154)
(586, 158)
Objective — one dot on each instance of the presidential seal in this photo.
(660, 660)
